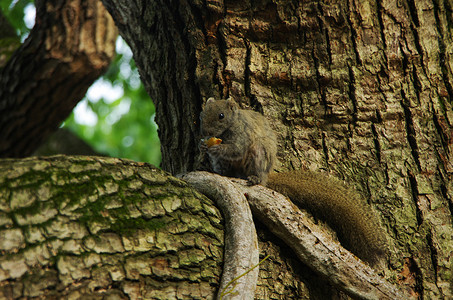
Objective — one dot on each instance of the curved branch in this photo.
(313, 247)
(241, 243)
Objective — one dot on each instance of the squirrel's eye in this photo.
(221, 116)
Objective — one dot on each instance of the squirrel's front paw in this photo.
(214, 150)
(203, 147)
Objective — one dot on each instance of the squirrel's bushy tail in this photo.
(357, 227)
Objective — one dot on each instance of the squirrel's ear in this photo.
(210, 99)
(232, 104)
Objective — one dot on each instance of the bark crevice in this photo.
(410, 131)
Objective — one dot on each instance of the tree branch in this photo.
(241, 243)
(309, 242)
(79, 227)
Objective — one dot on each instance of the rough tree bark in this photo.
(98, 228)
(360, 89)
(71, 45)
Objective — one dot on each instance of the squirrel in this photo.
(247, 149)
(249, 145)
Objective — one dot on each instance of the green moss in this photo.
(92, 212)
(130, 225)
(120, 218)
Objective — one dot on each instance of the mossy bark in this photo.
(93, 227)
(360, 89)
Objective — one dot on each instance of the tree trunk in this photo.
(71, 45)
(361, 89)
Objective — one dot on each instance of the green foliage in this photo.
(125, 126)
(14, 11)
